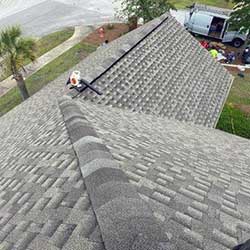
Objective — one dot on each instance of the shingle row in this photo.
(167, 74)
(125, 220)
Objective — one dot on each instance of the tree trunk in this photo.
(22, 88)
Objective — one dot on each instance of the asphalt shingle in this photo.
(43, 199)
(125, 220)
(167, 74)
(102, 177)
(196, 180)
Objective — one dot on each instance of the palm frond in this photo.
(9, 37)
(1, 49)
(27, 47)
(16, 47)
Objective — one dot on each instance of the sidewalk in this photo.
(80, 33)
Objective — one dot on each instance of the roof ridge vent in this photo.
(125, 49)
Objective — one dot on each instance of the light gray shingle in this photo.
(195, 179)
(167, 74)
(190, 182)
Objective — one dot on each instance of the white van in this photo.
(213, 22)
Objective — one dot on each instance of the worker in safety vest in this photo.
(214, 53)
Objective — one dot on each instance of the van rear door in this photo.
(200, 23)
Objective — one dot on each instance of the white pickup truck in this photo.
(213, 22)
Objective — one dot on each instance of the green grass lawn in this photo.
(52, 40)
(46, 44)
(54, 69)
(184, 3)
(235, 117)
(47, 74)
(240, 91)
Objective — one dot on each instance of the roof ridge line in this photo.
(132, 47)
(125, 219)
(125, 50)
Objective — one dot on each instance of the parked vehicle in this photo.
(213, 22)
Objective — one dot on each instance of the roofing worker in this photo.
(231, 57)
(214, 53)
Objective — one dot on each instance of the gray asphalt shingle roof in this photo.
(195, 180)
(168, 74)
(44, 203)
(82, 175)
(125, 220)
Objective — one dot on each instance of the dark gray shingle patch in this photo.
(125, 220)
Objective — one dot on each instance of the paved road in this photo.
(40, 17)
(180, 15)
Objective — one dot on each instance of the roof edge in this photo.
(125, 220)
(224, 102)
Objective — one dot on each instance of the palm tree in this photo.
(16, 50)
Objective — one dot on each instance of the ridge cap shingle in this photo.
(125, 219)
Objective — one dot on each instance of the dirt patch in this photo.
(238, 52)
(236, 70)
(244, 108)
(82, 55)
(227, 48)
(111, 32)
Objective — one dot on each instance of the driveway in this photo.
(40, 17)
(179, 15)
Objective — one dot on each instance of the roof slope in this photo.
(196, 190)
(196, 180)
(126, 221)
(43, 198)
(190, 183)
(167, 74)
